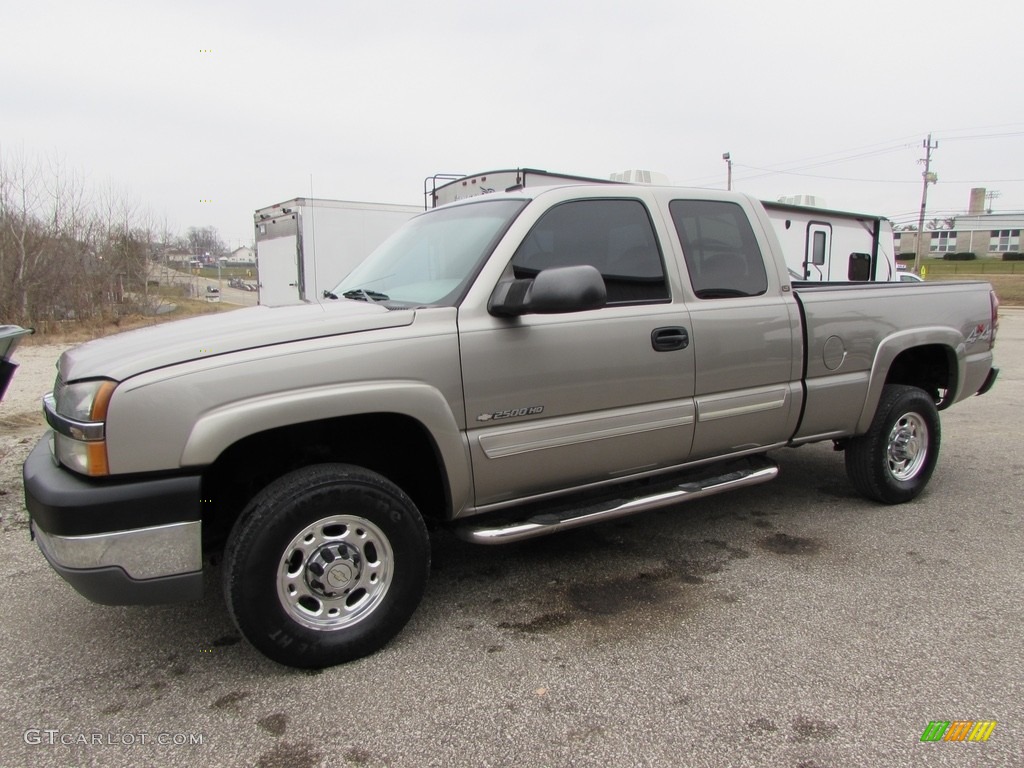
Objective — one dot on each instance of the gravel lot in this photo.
(791, 624)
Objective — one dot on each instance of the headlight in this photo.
(85, 401)
(77, 412)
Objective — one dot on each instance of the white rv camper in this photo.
(307, 245)
(446, 188)
(823, 245)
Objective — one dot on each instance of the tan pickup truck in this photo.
(510, 365)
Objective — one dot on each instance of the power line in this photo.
(979, 128)
(871, 181)
(799, 163)
(984, 136)
(791, 167)
(770, 171)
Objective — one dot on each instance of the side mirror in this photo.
(552, 291)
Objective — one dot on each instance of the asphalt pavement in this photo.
(790, 624)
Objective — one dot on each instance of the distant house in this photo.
(177, 257)
(243, 256)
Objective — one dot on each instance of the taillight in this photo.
(995, 314)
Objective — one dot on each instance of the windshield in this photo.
(433, 257)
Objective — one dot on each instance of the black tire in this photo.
(894, 460)
(325, 565)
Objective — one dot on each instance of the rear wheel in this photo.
(325, 565)
(894, 460)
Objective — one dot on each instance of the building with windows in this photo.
(244, 256)
(977, 232)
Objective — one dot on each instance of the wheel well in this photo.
(931, 368)
(395, 446)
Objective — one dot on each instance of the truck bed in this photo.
(853, 329)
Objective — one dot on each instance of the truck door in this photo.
(745, 333)
(278, 265)
(818, 251)
(554, 401)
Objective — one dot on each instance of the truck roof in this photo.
(433, 189)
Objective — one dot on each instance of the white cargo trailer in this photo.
(307, 245)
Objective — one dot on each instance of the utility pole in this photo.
(929, 178)
(728, 161)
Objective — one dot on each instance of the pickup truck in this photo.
(510, 366)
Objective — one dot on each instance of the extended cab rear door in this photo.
(745, 326)
(560, 401)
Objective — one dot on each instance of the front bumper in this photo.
(116, 543)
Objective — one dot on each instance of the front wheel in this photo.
(325, 565)
(894, 460)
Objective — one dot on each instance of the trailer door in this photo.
(278, 266)
(278, 269)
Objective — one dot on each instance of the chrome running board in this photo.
(758, 471)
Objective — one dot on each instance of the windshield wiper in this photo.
(361, 294)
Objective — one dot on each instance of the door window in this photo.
(615, 236)
(818, 252)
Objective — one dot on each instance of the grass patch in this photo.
(1007, 277)
(1009, 288)
(937, 267)
(246, 273)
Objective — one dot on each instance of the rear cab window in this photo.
(720, 250)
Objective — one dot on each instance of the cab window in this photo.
(721, 253)
(615, 236)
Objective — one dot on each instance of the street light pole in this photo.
(728, 162)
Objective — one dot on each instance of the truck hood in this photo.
(127, 354)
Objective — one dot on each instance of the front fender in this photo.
(221, 427)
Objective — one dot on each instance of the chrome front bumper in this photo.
(145, 566)
(144, 553)
(117, 543)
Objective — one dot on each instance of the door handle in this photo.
(670, 338)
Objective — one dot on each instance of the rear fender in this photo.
(892, 347)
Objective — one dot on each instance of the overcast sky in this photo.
(249, 104)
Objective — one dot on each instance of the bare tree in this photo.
(60, 258)
(946, 223)
(205, 240)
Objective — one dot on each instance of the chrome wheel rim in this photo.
(908, 447)
(335, 572)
